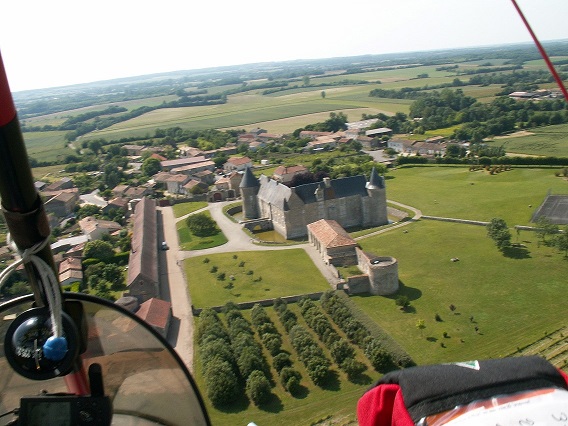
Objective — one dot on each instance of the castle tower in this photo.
(249, 190)
(378, 196)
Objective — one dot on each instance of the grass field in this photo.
(513, 298)
(189, 241)
(47, 146)
(546, 141)
(457, 192)
(271, 277)
(182, 209)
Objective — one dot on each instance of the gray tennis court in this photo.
(554, 208)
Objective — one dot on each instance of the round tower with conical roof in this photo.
(249, 191)
(378, 196)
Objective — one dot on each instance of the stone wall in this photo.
(358, 284)
(263, 302)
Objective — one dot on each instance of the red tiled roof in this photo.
(331, 234)
(155, 312)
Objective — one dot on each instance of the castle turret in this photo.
(378, 196)
(249, 191)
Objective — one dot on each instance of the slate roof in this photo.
(375, 180)
(144, 255)
(249, 180)
(341, 188)
(331, 234)
(273, 192)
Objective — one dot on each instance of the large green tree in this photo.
(202, 225)
(151, 166)
(98, 249)
(498, 231)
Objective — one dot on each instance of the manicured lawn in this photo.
(188, 241)
(456, 192)
(186, 208)
(514, 299)
(272, 276)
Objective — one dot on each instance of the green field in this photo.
(271, 277)
(47, 146)
(547, 141)
(456, 192)
(513, 298)
(189, 241)
(182, 209)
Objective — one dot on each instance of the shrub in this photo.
(341, 350)
(258, 387)
(380, 359)
(221, 382)
(352, 367)
(281, 361)
(286, 374)
(201, 225)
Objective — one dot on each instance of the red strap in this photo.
(383, 406)
(7, 108)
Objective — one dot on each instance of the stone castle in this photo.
(351, 201)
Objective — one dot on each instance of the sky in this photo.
(62, 42)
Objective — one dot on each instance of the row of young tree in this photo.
(233, 359)
(499, 232)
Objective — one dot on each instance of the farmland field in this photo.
(545, 141)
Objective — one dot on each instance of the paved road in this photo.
(174, 289)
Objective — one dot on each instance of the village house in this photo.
(361, 125)
(285, 174)
(136, 192)
(191, 169)
(256, 145)
(75, 251)
(368, 142)
(400, 145)
(429, 149)
(322, 142)
(310, 134)
(378, 133)
(63, 183)
(237, 164)
(70, 271)
(194, 187)
(118, 204)
(246, 138)
(61, 204)
(168, 165)
(227, 150)
(226, 188)
(175, 183)
(205, 176)
(95, 228)
(189, 151)
(134, 150)
(266, 137)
